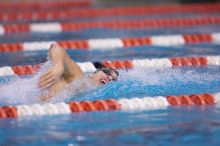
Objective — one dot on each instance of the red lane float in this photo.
(36, 6)
(198, 99)
(8, 112)
(112, 43)
(145, 103)
(122, 64)
(119, 24)
(189, 61)
(186, 100)
(25, 70)
(115, 11)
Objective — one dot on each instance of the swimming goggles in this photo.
(108, 72)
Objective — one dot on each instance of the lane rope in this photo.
(115, 11)
(114, 43)
(38, 6)
(57, 27)
(122, 64)
(124, 104)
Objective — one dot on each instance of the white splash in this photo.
(159, 76)
(25, 90)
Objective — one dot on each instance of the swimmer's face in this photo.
(104, 76)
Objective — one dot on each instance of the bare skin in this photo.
(64, 71)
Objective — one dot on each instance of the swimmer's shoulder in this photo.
(72, 70)
(75, 76)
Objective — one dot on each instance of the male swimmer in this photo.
(65, 70)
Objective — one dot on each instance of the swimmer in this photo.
(65, 70)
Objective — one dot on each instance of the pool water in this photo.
(175, 125)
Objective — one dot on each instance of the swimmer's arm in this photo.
(64, 67)
(58, 54)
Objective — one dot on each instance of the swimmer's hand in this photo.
(51, 76)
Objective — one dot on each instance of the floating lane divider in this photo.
(113, 43)
(119, 24)
(115, 11)
(124, 104)
(125, 64)
(36, 6)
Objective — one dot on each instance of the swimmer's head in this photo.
(104, 75)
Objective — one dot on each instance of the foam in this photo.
(140, 82)
(18, 90)
(161, 76)
(23, 90)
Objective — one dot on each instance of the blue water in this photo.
(180, 126)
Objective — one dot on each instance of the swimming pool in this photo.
(156, 125)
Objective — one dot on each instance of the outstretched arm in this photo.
(63, 67)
